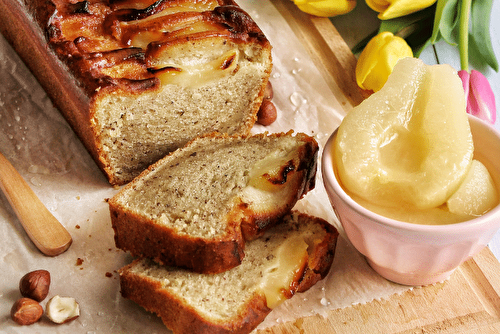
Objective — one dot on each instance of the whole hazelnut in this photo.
(35, 285)
(267, 113)
(26, 311)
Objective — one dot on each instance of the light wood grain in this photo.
(329, 52)
(46, 232)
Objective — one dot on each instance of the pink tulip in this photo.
(479, 95)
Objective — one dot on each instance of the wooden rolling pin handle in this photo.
(46, 232)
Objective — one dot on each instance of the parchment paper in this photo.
(43, 148)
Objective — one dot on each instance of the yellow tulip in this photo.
(379, 58)
(326, 8)
(390, 9)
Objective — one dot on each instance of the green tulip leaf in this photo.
(405, 25)
(437, 18)
(480, 32)
(445, 21)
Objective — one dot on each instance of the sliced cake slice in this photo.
(196, 207)
(290, 257)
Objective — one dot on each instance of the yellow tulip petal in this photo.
(390, 9)
(379, 58)
(378, 6)
(369, 59)
(404, 7)
(326, 8)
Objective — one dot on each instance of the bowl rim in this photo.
(330, 178)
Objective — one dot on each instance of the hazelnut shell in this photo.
(26, 311)
(35, 285)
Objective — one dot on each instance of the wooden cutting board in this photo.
(469, 302)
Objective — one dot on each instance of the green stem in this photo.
(435, 53)
(463, 35)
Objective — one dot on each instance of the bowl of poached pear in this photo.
(413, 179)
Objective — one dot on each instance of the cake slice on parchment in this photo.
(198, 206)
(289, 258)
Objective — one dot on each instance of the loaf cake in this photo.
(137, 79)
(289, 258)
(196, 207)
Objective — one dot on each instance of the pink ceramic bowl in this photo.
(413, 254)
